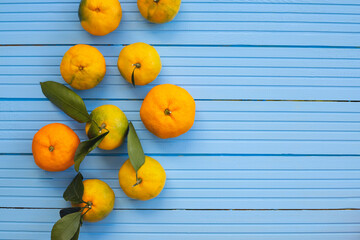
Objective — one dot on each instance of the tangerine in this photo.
(99, 199)
(151, 178)
(54, 147)
(168, 111)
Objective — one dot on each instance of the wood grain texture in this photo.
(257, 155)
(206, 72)
(263, 23)
(163, 225)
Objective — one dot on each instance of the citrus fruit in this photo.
(99, 17)
(54, 147)
(168, 111)
(141, 59)
(159, 11)
(108, 118)
(99, 197)
(151, 179)
(83, 67)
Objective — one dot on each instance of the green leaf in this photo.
(133, 77)
(65, 211)
(135, 150)
(67, 100)
(86, 147)
(74, 192)
(76, 236)
(94, 129)
(66, 227)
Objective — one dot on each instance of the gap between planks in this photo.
(187, 45)
(190, 209)
(198, 100)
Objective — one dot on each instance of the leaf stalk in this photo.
(137, 65)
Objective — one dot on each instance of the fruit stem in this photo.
(156, 1)
(137, 65)
(167, 112)
(103, 126)
(89, 204)
(51, 148)
(138, 181)
(87, 211)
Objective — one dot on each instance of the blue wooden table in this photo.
(274, 153)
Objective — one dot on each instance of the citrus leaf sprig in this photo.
(67, 100)
(86, 147)
(73, 105)
(65, 211)
(135, 151)
(68, 227)
(75, 191)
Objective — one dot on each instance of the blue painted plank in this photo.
(201, 182)
(204, 70)
(289, 225)
(110, 236)
(203, 51)
(189, 195)
(215, 135)
(130, 25)
(18, 105)
(180, 236)
(216, 126)
(255, 34)
(200, 217)
(196, 17)
(326, 2)
(330, 132)
(332, 74)
(202, 115)
(274, 124)
(122, 92)
(216, 61)
(308, 147)
(185, 38)
(183, 162)
(195, 7)
(318, 83)
(112, 70)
